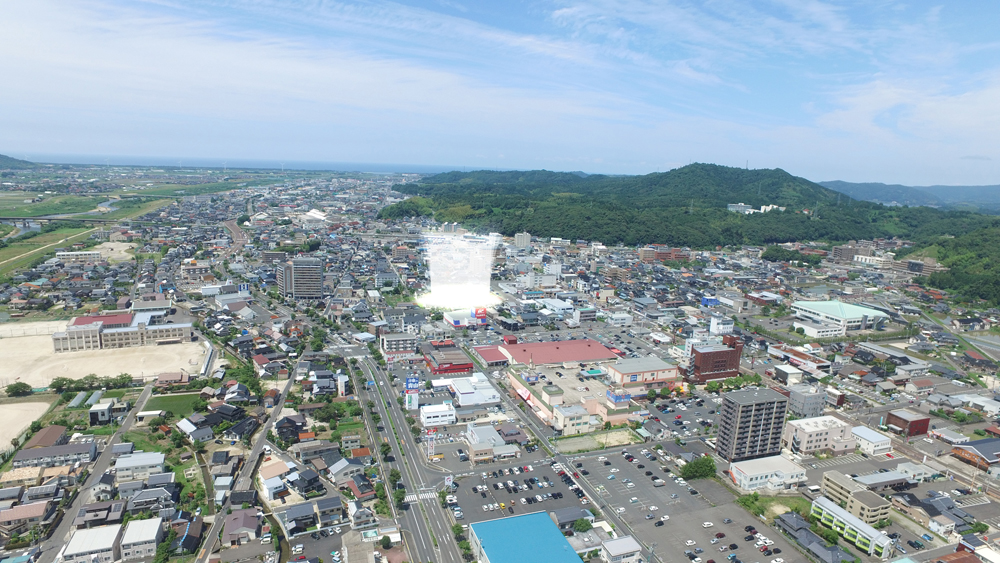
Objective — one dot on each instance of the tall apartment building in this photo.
(522, 240)
(751, 424)
(301, 278)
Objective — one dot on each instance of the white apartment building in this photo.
(131, 467)
(620, 319)
(773, 473)
(94, 545)
(571, 419)
(141, 538)
(818, 434)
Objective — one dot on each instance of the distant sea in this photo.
(238, 163)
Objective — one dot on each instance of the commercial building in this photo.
(787, 375)
(645, 373)
(821, 434)
(984, 454)
(556, 353)
(773, 473)
(621, 550)
(141, 538)
(843, 317)
(715, 361)
(467, 317)
(94, 545)
(120, 331)
(301, 278)
(437, 415)
(445, 358)
(528, 538)
(750, 424)
(571, 419)
(806, 401)
(871, 442)
(851, 528)
(469, 391)
(907, 422)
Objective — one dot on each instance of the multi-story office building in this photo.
(806, 401)
(750, 424)
(818, 434)
(301, 278)
(712, 361)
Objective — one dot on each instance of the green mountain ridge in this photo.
(682, 207)
(986, 197)
(15, 163)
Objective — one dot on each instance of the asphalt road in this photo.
(244, 478)
(423, 521)
(51, 547)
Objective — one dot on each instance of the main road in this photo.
(426, 526)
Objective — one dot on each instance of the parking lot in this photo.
(686, 507)
(542, 481)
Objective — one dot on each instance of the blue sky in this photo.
(860, 91)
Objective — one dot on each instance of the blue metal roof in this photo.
(528, 538)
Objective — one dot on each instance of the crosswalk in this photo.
(414, 497)
(972, 500)
(832, 462)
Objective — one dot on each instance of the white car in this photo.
(602, 458)
(690, 543)
(654, 508)
(337, 530)
(523, 501)
(614, 470)
(629, 485)
(530, 468)
(707, 524)
(714, 541)
(486, 508)
(777, 560)
(664, 518)
(621, 509)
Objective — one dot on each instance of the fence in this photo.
(13, 331)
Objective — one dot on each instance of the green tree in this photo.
(19, 389)
(651, 395)
(582, 525)
(713, 386)
(60, 384)
(398, 496)
(699, 468)
(385, 449)
(457, 530)
(385, 542)
(394, 477)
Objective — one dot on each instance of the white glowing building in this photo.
(459, 268)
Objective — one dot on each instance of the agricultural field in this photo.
(20, 253)
(12, 204)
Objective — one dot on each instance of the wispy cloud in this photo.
(856, 90)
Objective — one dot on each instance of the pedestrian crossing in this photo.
(832, 462)
(972, 500)
(414, 497)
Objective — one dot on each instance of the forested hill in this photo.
(8, 162)
(885, 193)
(683, 207)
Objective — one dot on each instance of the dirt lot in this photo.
(37, 328)
(35, 363)
(16, 417)
(592, 442)
(116, 251)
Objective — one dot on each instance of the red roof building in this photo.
(551, 353)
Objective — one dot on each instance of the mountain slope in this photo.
(885, 193)
(14, 163)
(683, 207)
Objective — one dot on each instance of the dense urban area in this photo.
(210, 365)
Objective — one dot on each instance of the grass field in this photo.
(180, 405)
(137, 211)
(20, 254)
(12, 204)
(5, 230)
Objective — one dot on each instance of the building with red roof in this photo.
(559, 352)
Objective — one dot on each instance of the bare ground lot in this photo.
(31, 359)
(116, 251)
(16, 417)
(596, 441)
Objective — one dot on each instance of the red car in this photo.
(889, 456)
(720, 535)
(678, 417)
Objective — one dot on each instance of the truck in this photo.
(659, 482)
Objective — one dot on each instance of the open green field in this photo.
(12, 204)
(180, 405)
(137, 210)
(20, 254)
(5, 230)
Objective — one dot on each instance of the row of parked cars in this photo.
(762, 543)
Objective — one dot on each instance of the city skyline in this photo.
(878, 92)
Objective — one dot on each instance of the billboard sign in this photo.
(412, 400)
(479, 312)
(448, 481)
(413, 383)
